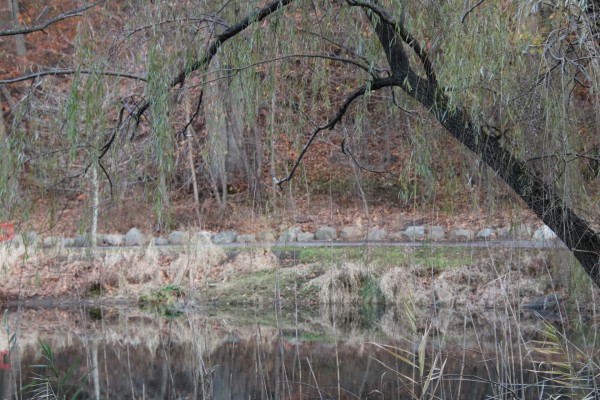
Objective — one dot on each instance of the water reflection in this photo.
(252, 354)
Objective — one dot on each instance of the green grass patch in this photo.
(376, 256)
(385, 256)
(287, 283)
(163, 300)
(370, 293)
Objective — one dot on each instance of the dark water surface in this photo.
(266, 354)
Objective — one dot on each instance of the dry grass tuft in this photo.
(131, 269)
(134, 273)
(198, 263)
(479, 285)
(10, 256)
(401, 285)
(250, 261)
(342, 285)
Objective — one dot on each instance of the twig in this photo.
(464, 16)
(315, 378)
(346, 150)
(193, 117)
(70, 71)
(375, 85)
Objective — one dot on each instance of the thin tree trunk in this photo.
(190, 134)
(95, 204)
(13, 7)
(3, 128)
(216, 140)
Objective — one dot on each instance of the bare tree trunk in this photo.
(216, 142)
(95, 204)
(3, 128)
(190, 134)
(163, 193)
(257, 149)
(13, 7)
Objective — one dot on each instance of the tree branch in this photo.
(348, 152)
(333, 121)
(70, 71)
(384, 17)
(464, 16)
(40, 27)
(236, 29)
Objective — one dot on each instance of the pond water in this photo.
(247, 353)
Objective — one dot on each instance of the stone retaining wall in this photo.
(294, 234)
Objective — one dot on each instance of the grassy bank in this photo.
(290, 276)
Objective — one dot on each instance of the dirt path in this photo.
(480, 244)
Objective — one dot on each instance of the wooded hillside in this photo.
(178, 113)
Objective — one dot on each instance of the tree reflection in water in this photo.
(228, 354)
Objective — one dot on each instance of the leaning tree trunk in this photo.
(543, 199)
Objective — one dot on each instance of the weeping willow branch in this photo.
(543, 199)
(41, 26)
(233, 70)
(203, 61)
(236, 29)
(193, 117)
(179, 21)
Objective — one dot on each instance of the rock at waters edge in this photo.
(110, 240)
(134, 238)
(224, 237)
(351, 233)
(160, 241)
(485, 234)
(305, 236)
(203, 237)
(266, 236)
(416, 232)
(544, 233)
(326, 233)
(461, 234)
(517, 232)
(436, 233)
(81, 241)
(178, 238)
(397, 236)
(289, 235)
(245, 239)
(54, 241)
(377, 235)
